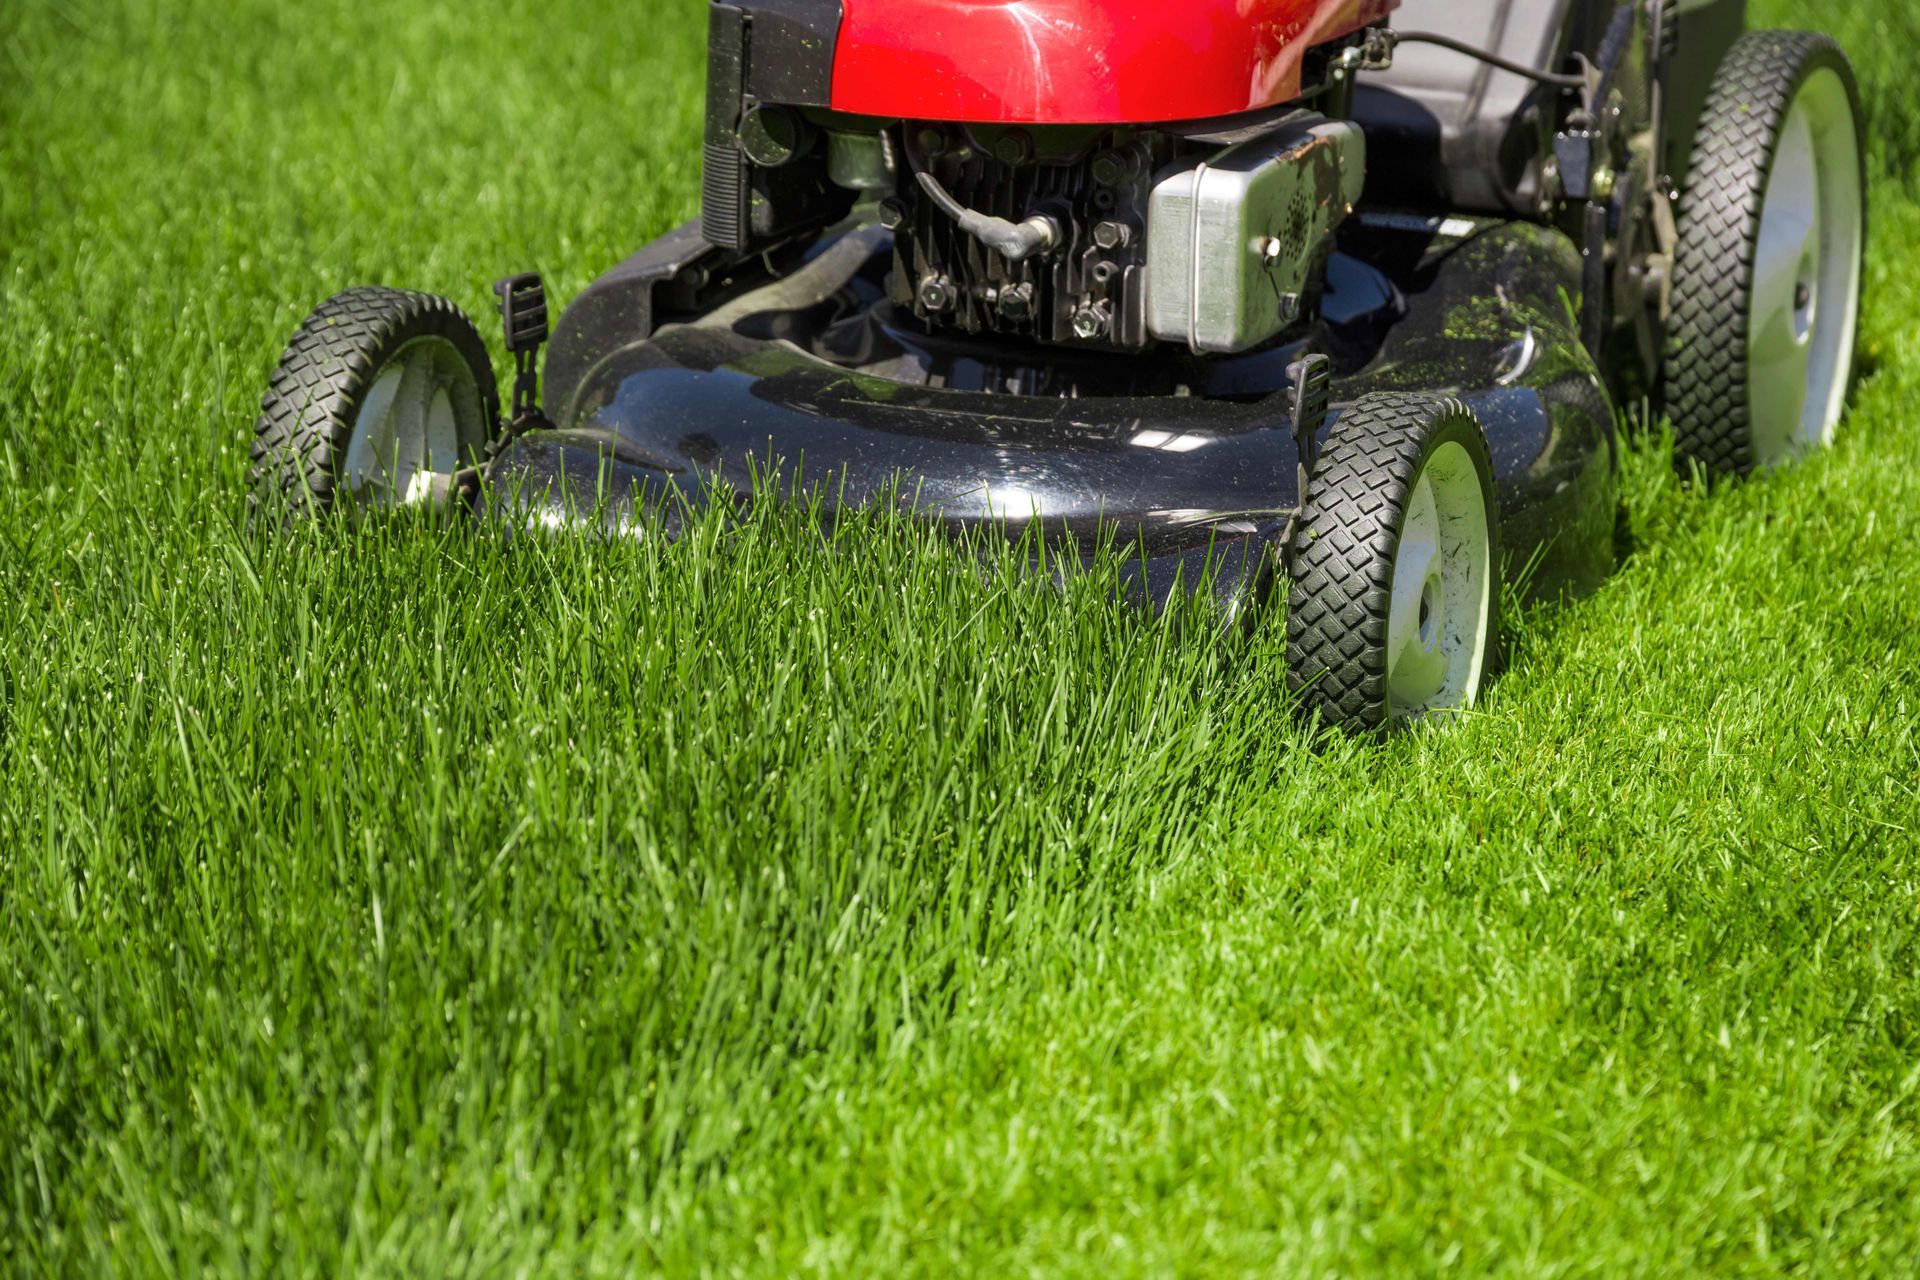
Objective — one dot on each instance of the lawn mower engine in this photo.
(1027, 205)
(1124, 240)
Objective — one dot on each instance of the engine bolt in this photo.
(1013, 148)
(937, 294)
(932, 141)
(1112, 169)
(1016, 302)
(1112, 235)
(1092, 321)
(892, 214)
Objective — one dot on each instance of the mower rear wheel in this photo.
(380, 400)
(1394, 595)
(1767, 273)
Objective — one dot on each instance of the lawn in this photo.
(388, 901)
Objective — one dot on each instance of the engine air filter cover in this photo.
(1232, 242)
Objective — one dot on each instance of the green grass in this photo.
(389, 902)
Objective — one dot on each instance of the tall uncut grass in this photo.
(398, 899)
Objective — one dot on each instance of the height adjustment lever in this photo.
(1309, 399)
(523, 314)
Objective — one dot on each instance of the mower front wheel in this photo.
(1393, 592)
(382, 398)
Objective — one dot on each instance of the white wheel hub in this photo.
(415, 427)
(1806, 275)
(1441, 611)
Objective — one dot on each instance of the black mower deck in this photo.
(815, 376)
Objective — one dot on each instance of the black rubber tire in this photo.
(1340, 571)
(306, 417)
(1719, 224)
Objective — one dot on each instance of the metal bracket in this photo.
(1374, 52)
(1576, 152)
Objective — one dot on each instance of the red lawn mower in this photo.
(1269, 289)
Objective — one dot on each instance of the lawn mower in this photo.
(1342, 294)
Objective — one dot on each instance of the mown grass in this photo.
(387, 900)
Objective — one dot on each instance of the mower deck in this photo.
(1191, 462)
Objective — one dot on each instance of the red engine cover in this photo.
(1080, 61)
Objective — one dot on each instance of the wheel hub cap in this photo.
(1806, 275)
(409, 434)
(1440, 613)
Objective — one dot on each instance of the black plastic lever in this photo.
(523, 314)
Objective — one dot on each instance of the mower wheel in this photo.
(380, 400)
(1767, 272)
(1393, 579)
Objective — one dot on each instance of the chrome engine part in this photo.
(1233, 243)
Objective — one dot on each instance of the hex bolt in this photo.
(932, 141)
(892, 213)
(1113, 168)
(1112, 235)
(937, 294)
(1092, 321)
(1016, 302)
(1013, 148)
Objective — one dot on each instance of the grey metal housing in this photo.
(1232, 243)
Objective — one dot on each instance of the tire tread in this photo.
(1707, 345)
(1341, 567)
(306, 415)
